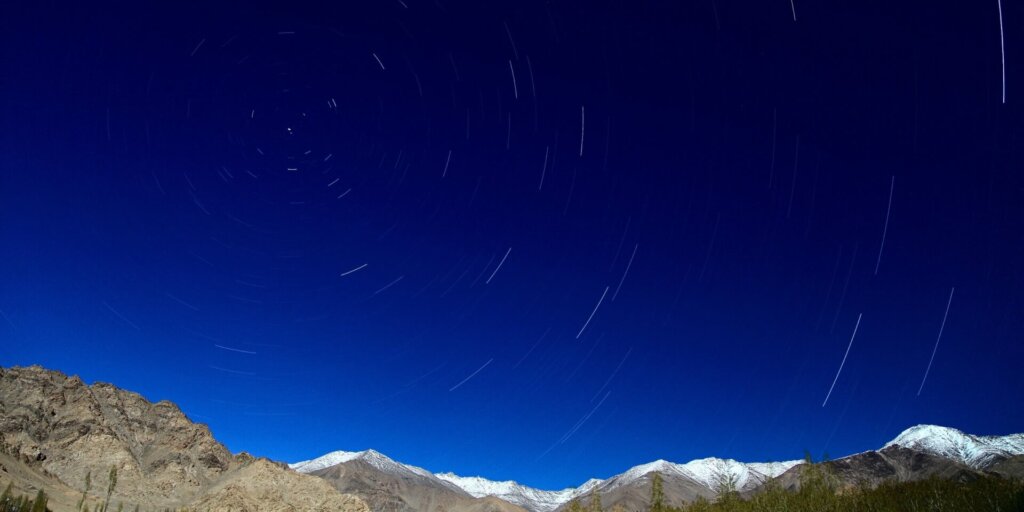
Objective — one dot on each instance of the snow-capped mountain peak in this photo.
(593, 483)
(516, 493)
(974, 451)
(712, 472)
(371, 457)
(708, 472)
(325, 461)
(658, 465)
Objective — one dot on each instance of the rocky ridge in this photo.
(56, 429)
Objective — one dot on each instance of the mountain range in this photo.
(918, 452)
(55, 429)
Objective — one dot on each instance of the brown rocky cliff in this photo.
(60, 427)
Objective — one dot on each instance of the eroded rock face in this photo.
(405, 492)
(61, 429)
(262, 485)
(1012, 467)
(893, 463)
(69, 429)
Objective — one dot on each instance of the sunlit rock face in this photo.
(55, 429)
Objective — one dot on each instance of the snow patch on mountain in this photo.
(371, 457)
(709, 472)
(516, 493)
(975, 451)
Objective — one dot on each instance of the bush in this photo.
(10, 503)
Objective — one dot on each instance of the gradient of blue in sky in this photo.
(182, 189)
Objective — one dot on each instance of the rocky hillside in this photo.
(56, 429)
(925, 451)
(888, 464)
(387, 485)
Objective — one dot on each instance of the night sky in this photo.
(541, 241)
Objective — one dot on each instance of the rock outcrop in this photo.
(56, 429)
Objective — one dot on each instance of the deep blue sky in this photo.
(153, 235)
